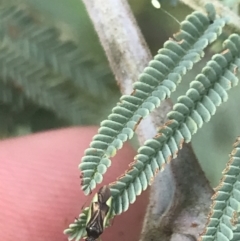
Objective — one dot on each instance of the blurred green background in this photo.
(94, 92)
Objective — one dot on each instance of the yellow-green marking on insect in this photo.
(99, 214)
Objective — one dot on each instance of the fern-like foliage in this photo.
(12, 97)
(193, 109)
(206, 92)
(77, 230)
(37, 80)
(43, 43)
(224, 223)
(41, 68)
(158, 80)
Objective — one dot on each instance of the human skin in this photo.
(40, 191)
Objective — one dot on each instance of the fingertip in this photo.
(40, 186)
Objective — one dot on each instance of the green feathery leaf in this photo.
(193, 109)
(77, 230)
(44, 44)
(224, 222)
(47, 67)
(205, 94)
(13, 97)
(41, 85)
(158, 80)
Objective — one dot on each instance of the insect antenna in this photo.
(157, 4)
(85, 202)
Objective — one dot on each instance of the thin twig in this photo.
(125, 47)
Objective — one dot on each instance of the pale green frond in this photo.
(13, 97)
(196, 107)
(72, 84)
(43, 43)
(155, 84)
(224, 223)
(41, 85)
(77, 230)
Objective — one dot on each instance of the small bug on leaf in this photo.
(99, 214)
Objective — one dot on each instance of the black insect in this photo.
(99, 213)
